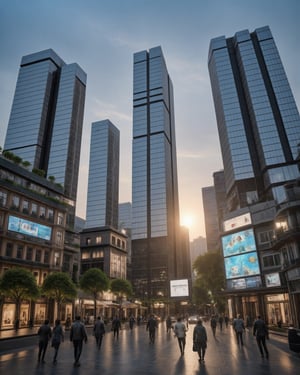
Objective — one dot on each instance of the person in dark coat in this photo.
(260, 330)
(116, 326)
(213, 324)
(200, 340)
(99, 331)
(57, 338)
(77, 336)
(151, 328)
(45, 334)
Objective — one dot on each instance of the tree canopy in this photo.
(19, 284)
(94, 281)
(60, 287)
(210, 277)
(121, 287)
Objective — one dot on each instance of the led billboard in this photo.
(238, 243)
(242, 265)
(179, 288)
(237, 222)
(272, 279)
(29, 228)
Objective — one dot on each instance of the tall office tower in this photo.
(211, 218)
(45, 124)
(103, 185)
(258, 121)
(155, 207)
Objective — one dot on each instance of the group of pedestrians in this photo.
(78, 335)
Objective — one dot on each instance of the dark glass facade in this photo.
(155, 212)
(45, 124)
(257, 117)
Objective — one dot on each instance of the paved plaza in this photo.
(132, 354)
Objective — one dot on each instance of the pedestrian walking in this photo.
(131, 322)
(226, 319)
(239, 328)
(45, 334)
(221, 322)
(151, 328)
(180, 332)
(200, 340)
(57, 338)
(77, 336)
(99, 331)
(169, 324)
(213, 324)
(260, 330)
(116, 326)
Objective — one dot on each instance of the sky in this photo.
(102, 36)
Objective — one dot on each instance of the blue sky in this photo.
(102, 35)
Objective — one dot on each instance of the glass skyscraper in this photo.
(46, 119)
(103, 185)
(257, 117)
(155, 212)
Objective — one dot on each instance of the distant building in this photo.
(102, 244)
(211, 218)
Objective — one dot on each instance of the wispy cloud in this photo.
(105, 110)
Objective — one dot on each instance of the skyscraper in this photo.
(155, 212)
(103, 185)
(45, 124)
(257, 117)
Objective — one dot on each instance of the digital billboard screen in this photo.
(29, 228)
(179, 288)
(242, 265)
(272, 279)
(238, 243)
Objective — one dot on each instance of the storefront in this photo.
(278, 311)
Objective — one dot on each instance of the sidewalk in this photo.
(133, 355)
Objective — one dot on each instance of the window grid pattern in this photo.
(260, 110)
(285, 99)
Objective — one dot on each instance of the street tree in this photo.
(19, 284)
(210, 270)
(60, 287)
(122, 288)
(93, 282)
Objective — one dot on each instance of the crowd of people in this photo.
(78, 333)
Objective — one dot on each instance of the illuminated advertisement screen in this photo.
(242, 265)
(272, 279)
(29, 228)
(238, 243)
(179, 288)
(244, 283)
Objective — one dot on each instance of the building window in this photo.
(123, 245)
(57, 258)
(59, 237)
(25, 207)
(47, 257)
(33, 209)
(98, 254)
(42, 212)
(20, 249)
(118, 242)
(113, 240)
(15, 202)
(88, 241)
(50, 214)
(98, 239)
(271, 260)
(38, 255)
(85, 255)
(36, 276)
(29, 253)
(60, 218)
(9, 249)
(1, 219)
(3, 198)
(266, 237)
